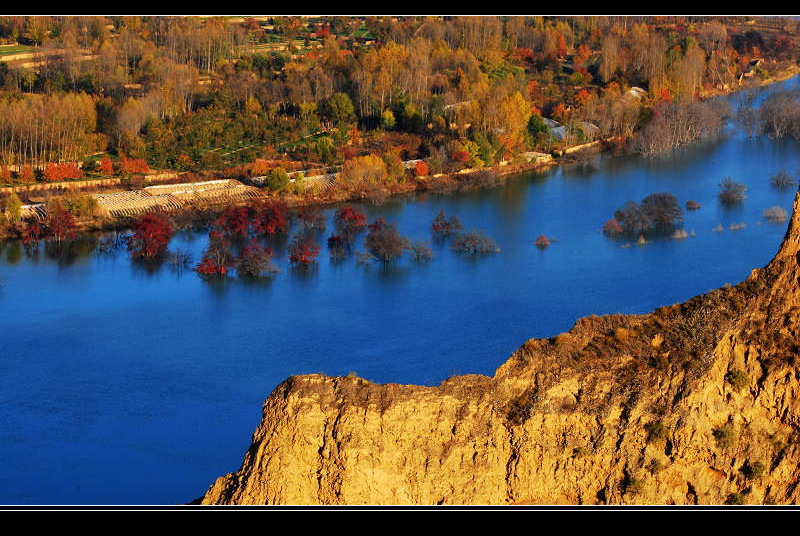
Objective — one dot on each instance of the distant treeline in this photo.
(209, 92)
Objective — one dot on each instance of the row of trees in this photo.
(678, 123)
(36, 129)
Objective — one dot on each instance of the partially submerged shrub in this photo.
(420, 250)
(731, 192)
(385, 242)
(474, 242)
(612, 227)
(255, 261)
(776, 214)
(782, 180)
(542, 241)
(658, 209)
(311, 218)
(444, 226)
(348, 222)
(303, 251)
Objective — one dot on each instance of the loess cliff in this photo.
(695, 403)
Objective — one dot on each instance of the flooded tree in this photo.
(151, 235)
(474, 242)
(234, 221)
(782, 180)
(443, 226)
(731, 192)
(780, 114)
(662, 209)
(776, 214)
(348, 222)
(632, 218)
(303, 251)
(255, 261)
(217, 258)
(612, 227)
(658, 209)
(272, 218)
(385, 242)
(421, 251)
(311, 218)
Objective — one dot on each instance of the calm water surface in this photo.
(122, 385)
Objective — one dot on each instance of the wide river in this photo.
(122, 385)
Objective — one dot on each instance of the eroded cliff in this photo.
(695, 403)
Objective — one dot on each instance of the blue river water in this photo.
(123, 385)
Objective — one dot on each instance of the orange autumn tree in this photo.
(105, 167)
(26, 175)
(62, 171)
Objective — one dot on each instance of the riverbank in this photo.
(321, 197)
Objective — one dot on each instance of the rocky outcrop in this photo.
(695, 403)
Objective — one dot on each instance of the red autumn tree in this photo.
(272, 218)
(234, 221)
(612, 227)
(348, 221)
(32, 232)
(260, 167)
(421, 169)
(303, 251)
(60, 223)
(542, 241)
(5, 174)
(217, 258)
(151, 234)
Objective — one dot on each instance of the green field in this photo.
(15, 49)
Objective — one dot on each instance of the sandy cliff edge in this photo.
(694, 403)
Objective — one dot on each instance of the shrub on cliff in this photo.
(656, 431)
(738, 379)
(724, 435)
